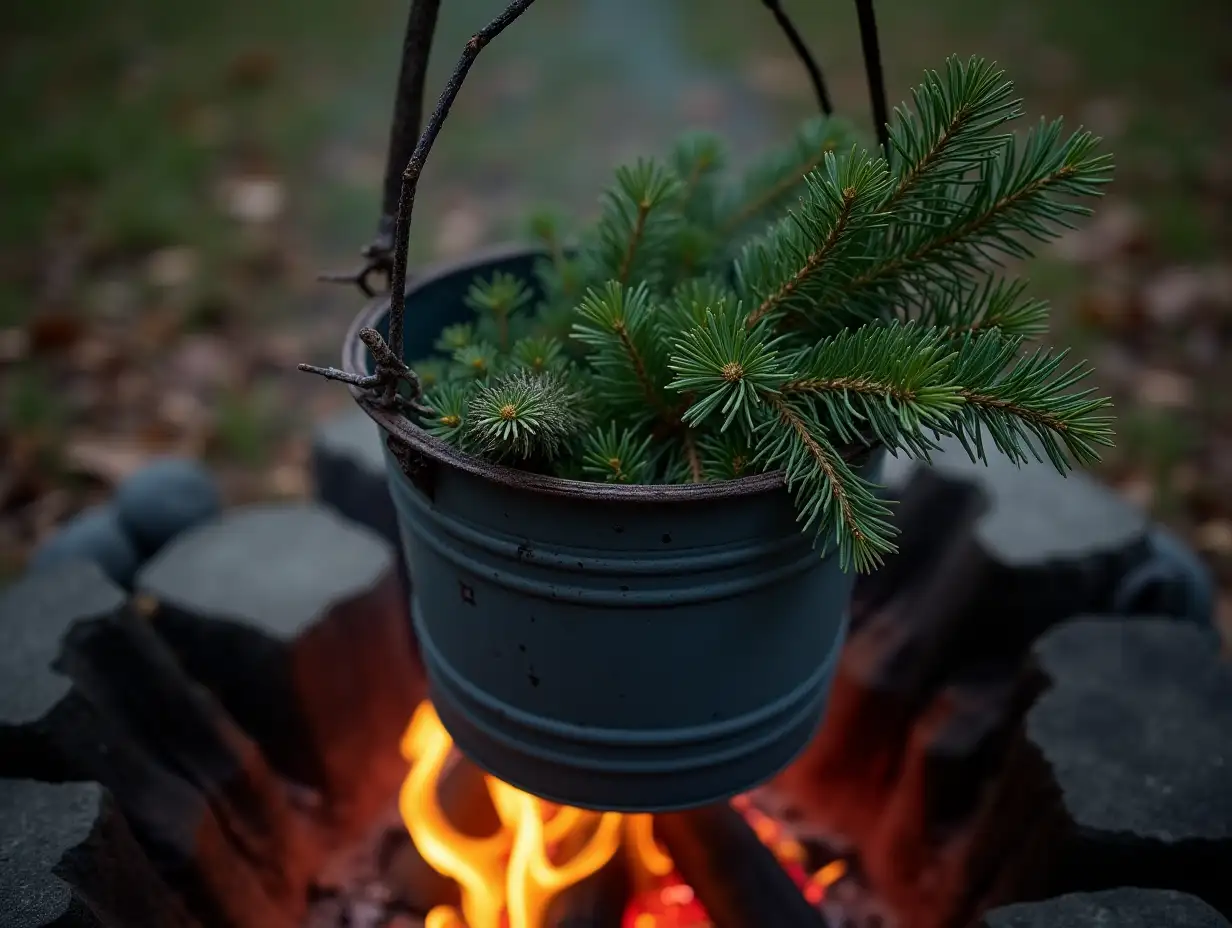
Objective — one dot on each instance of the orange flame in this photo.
(508, 879)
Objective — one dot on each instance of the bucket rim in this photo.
(355, 360)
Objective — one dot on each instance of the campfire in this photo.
(509, 878)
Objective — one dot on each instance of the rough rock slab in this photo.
(296, 619)
(1114, 908)
(90, 692)
(348, 469)
(1133, 744)
(68, 860)
(35, 614)
(1049, 546)
(95, 535)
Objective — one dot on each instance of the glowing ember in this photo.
(508, 879)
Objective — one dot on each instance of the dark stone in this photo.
(1114, 908)
(35, 614)
(1127, 763)
(1046, 547)
(167, 497)
(296, 619)
(114, 706)
(68, 860)
(348, 468)
(1173, 581)
(97, 536)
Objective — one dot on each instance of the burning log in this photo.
(735, 876)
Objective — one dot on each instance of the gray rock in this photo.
(1114, 908)
(1040, 547)
(95, 535)
(296, 619)
(1035, 514)
(67, 859)
(1137, 728)
(1135, 734)
(348, 468)
(88, 691)
(165, 498)
(35, 614)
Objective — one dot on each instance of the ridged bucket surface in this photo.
(626, 648)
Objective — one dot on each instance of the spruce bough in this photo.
(704, 331)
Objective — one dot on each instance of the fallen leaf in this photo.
(1174, 296)
(1215, 537)
(1138, 490)
(290, 481)
(253, 199)
(1164, 389)
(54, 331)
(1116, 230)
(14, 345)
(777, 76)
(205, 362)
(171, 267)
(108, 459)
(253, 68)
(459, 231)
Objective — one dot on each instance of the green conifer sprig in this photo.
(454, 338)
(949, 131)
(803, 258)
(617, 455)
(522, 417)
(775, 182)
(636, 223)
(496, 301)
(973, 306)
(872, 312)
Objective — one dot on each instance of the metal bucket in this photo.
(612, 647)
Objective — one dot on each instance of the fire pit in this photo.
(246, 741)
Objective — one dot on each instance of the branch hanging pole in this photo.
(391, 368)
(408, 107)
(876, 75)
(802, 51)
(404, 131)
(414, 167)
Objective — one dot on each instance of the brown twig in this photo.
(805, 56)
(414, 167)
(408, 113)
(383, 384)
(391, 369)
(690, 451)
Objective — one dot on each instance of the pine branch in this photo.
(947, 133)
(786, 269)
(1023, 192)
(831, 499)
(496, 300)
(887, 380)
(523, 416)
(729, 366)
(775, 181)
(616, 455)
(628, 361)
(971, 307)
(1025, 403)
(634, 224)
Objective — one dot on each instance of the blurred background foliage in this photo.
(173, 175)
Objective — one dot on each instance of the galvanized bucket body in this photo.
(628, 648)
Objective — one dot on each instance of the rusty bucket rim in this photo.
(397, 426)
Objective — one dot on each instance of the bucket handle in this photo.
(409, 149)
